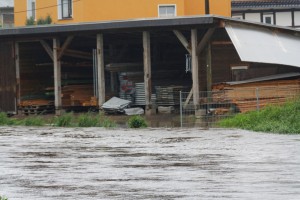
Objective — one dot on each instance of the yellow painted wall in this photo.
(20, 12)
(194, 7)
(220, 7)
(99, 10)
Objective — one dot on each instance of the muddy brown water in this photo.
(94, 163)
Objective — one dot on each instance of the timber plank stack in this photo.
(250, 96)
(78, 95)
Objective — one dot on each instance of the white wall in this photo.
(254, 17)
(297, 18)
(237, 16)
(284, 18)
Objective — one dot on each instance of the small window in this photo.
(167, 11)
(268, 19)
(31, 9)
(239, 73)
(65, 9)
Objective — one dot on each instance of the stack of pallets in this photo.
(37, 107)
(168, 95)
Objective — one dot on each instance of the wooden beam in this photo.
(17, 61)
(221, 42)
(147, 71)
(65, 46)
(183, 40)
(47, 48)
(78, 54)
(188, 99)
(57, 77)
(100, 66)
(204, 40)
(195, 67)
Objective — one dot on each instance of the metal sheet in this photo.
(266, 78)
(264, 45)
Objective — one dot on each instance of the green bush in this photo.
(3, 198)
(273, 119)
(4, 120)
(64, 120)
(30, 21)
(41, 21)
(44, 21)
(89, 120)
(137, 122)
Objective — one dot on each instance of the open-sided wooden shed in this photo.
(189, 53)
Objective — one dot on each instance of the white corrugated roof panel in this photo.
(264, 45)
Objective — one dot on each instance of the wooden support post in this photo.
(195, 67)
(147, 72)
(100, 66)
(209, 74)
(18, 84)
(208, 68)
(112, 82)
(57, 77)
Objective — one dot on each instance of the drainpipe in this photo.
(207, 7)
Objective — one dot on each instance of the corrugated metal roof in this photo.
(263, 45)
(6, 3)
(259, 4)
(266, 78)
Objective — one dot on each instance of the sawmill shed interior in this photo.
(147, 64)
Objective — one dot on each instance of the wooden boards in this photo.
(252, 96)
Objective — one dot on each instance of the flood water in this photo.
(94, 163)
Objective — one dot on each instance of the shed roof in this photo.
(281, 43)
(128, 25)
(6, 3)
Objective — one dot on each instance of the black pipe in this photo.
(207, 7)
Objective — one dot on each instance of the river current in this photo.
(95, 163)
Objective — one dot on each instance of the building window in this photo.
(239, 73)
(65, 9)
(268, 19)
(31, 9)
(167, 10)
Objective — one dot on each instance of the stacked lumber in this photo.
(78, 95)
(250, 96)
(36, 106)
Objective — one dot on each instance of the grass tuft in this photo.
(89, 120)
(64, 120)
(32, 121)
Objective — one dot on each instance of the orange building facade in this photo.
(76, 11)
